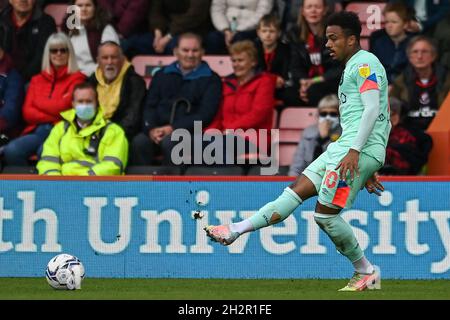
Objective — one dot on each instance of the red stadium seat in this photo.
(370, 14)
(293, 120)
(286, 154)
(364, 42)
(367, 11)
(220, 64)
(145, 65)
(58, 11)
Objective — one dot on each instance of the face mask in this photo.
(85, 111)
(334, 121)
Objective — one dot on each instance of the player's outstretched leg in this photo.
(273, 212)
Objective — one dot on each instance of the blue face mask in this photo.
(85, 111)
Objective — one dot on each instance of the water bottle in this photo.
(233, 25)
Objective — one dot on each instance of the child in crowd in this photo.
(389, 44)
(273, 55)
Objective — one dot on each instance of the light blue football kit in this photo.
(362, 72)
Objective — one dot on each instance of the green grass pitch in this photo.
(215, 289)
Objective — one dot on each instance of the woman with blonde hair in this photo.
(248, 95)
(49, 93)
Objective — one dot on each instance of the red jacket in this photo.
(247, 106)
(48, 95)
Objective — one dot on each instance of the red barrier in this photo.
(286, 179)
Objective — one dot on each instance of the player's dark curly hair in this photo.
(348, 21)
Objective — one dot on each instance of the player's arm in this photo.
(371, 102)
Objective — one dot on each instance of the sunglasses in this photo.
(331, 114)
(60, 50)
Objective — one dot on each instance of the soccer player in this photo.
(348, 164)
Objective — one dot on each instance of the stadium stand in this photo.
(220, 64)
(58, 11)
(368, 13)
(293, 121)
(146, 65)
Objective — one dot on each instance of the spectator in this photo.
(121, 91)
(127, 16)
(11, 98)
(49, 93)
(180, 93)
(316, 138)
(407, 150)
(389, 44)
(427, 14)
(423, 85)
(288, 10)
(273, 55)
(168, 19)
(235, 21)
(315, 74)
(84, 143)
(443, 41)
(248, 95)
(86, 38)
(26, 29)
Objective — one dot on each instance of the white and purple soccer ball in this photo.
(65, 272)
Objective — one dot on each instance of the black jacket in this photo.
(202, 88)
(301, 62)
(129, 111)
(281, 61)
(31, 40)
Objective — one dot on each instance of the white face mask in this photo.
(333, 120)
(85, 111)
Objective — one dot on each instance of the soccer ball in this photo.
(65, 272)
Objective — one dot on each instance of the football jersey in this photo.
(363, 72)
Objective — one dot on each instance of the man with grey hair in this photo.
(120, 89)
(423, 84)
(26, 30)
(180, 94)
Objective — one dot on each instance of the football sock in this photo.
(341, 234)
(363, 266)
(241, 226)
(277, 210)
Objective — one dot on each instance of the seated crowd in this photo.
(72, 103)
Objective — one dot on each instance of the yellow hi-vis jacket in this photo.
(68, 151)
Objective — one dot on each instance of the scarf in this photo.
(315, 55)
